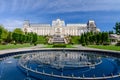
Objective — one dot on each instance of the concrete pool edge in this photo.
(18, 51)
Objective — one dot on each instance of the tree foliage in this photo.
(95, 38)
(117, 28)
(3, 34)
(17, 36)
(20, 37)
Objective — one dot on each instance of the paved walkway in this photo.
(21, 49)
(87, 48)
(38, 47)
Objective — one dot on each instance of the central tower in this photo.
(58, 27)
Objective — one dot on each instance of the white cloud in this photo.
(12, 24)
(83, 5)
(53, 6)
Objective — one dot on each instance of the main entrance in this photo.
(58, 31)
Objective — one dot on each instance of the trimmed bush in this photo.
(106, 43)
(59, 45)
(35, 43)
(118, 43)
(83, 44)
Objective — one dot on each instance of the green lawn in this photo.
(69, 46)
(48, 46)
(109, 47)
(75, 39)
(12, 46)
(42, 40)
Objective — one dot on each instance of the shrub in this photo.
(3, 43)
(97, 43)
(83, 44)
(13, 42)
(72, 43)
(59, 45)
(118, 43)
(0, 41)
(106, 43)
(35, 43)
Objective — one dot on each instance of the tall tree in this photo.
(1, 28)
(117, 28)
(4, 34)
(18, 31)
(111, 32)
(82, 39)
(9, 37)
(18, 35)
(34, 38)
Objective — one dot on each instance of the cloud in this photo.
(53, 6)
(13, 12)
(12, 24)
(83, 5)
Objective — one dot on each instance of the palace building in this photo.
(58, 27)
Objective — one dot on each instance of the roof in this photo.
(40, 25)
(81, 25)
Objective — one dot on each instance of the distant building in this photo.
(58, 27)
(114, 38)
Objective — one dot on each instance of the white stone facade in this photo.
(59, 27)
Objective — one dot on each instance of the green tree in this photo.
(4, 34)
(34, 38)
(117, 28)
(98, 38)
(105, 38)
(17, 35)
(18, 31)
(86, 36)
(9, 37)
(1, 29)
(82, 40)
(111, 32)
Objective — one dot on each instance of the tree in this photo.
(117, 28)
(34, 38)
(105, 38)
(15, 37)
(1, 28)
(3, 34)
(111, 32)
(82, 40)
(18, 35)
(98, 38)
(18, 31)
(9, 37)
(86, 35)
(95, 38)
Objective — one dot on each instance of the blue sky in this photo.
(105, 12)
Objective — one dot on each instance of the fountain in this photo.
(60, 65)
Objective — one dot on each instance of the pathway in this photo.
(21, 49)
(38, 47)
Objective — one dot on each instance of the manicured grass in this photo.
(48, 46)
(12, 46)
(51, 46)
(42, 40)
(75, 39)
(109, 47)
(69, 46)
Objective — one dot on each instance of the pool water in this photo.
(9, 69)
